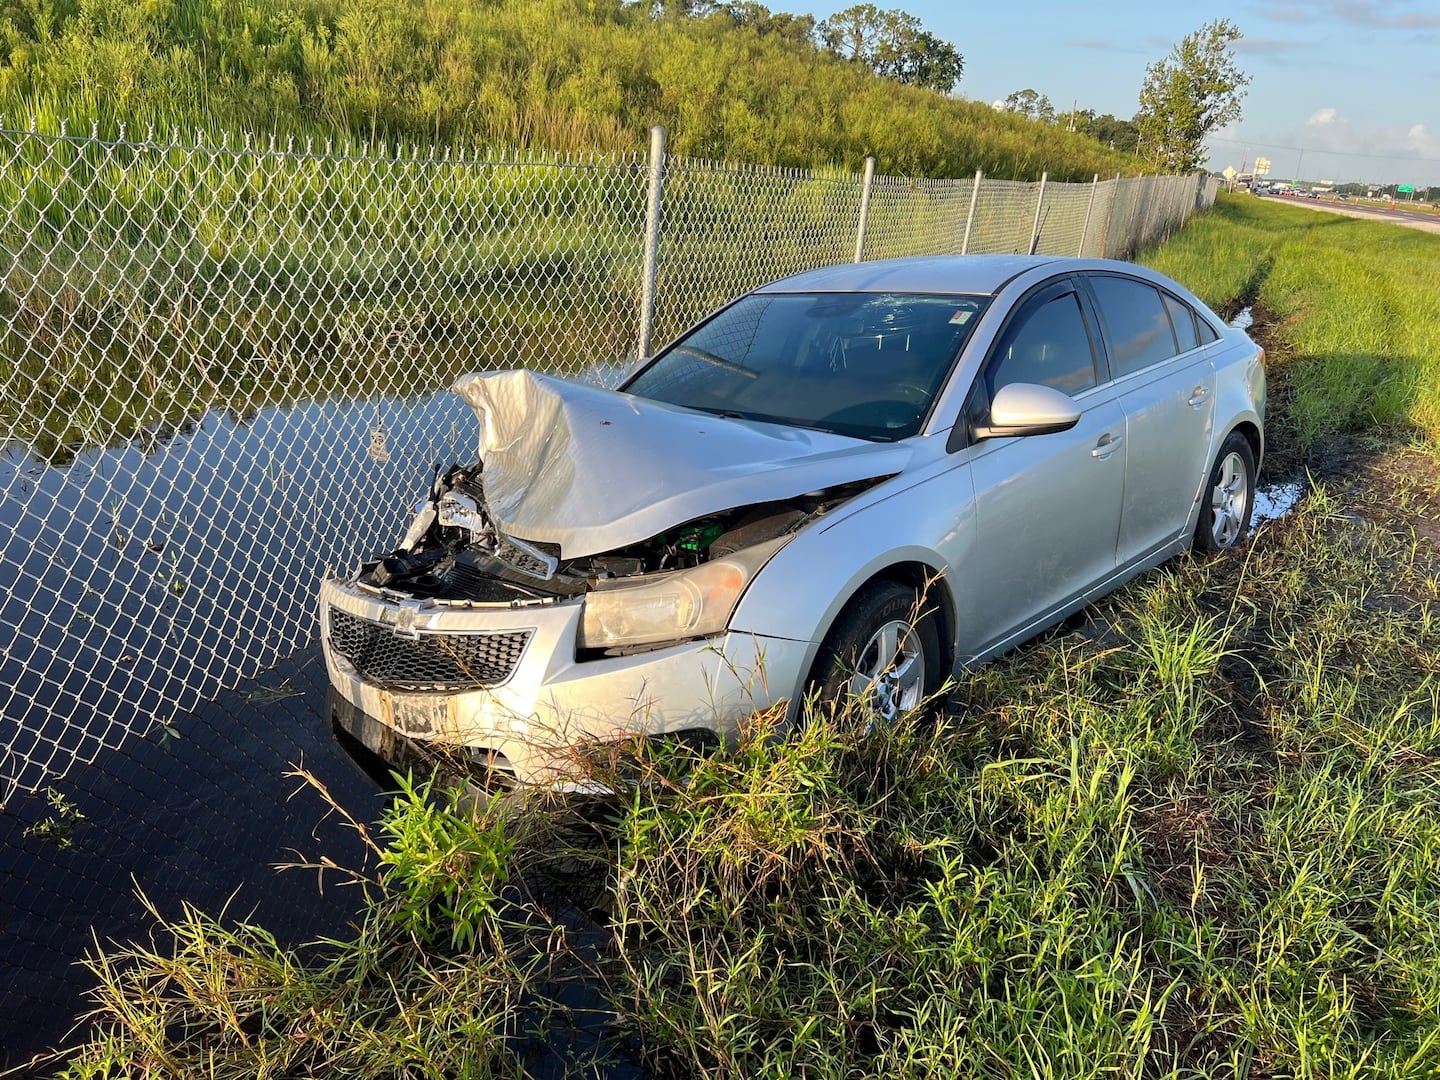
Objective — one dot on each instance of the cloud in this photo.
(1266, 46)
(1377, 14)
(1335, 148)
(1422, 142)
(1372, 14)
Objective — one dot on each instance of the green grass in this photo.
(1354, 305)
(1194, 834)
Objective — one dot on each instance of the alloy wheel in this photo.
(890, 672)
(1229, 500)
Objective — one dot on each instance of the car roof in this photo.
(973, 275)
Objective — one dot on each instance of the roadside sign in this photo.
(1403, 188)
(1262, 166)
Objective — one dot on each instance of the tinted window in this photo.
(1140, 333)
(1047, 345)
(861, 364)
(1207, 332)
(1183, 320)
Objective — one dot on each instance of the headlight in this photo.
(673, 606)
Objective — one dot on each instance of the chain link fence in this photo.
(224, 367)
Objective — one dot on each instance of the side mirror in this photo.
(1028, 409)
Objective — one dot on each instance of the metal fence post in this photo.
(1126, 247)
(1089, 209)
(652, 239)
(1145, 221)
(1039, 205)
(1110, 218)
(864, 208)
(970, 217)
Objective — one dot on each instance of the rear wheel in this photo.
(1228, 498)
(882, 657)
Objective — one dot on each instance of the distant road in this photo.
(1412, 219)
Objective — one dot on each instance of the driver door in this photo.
(1047, 507)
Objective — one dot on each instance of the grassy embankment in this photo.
(1194, 834)
(730, 82)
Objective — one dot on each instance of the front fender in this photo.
(803, 588)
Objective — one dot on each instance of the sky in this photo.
(1342, 90)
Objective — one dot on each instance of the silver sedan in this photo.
(858, 481)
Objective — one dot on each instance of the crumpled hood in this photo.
(594, 470)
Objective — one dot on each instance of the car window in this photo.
(1207, 332)
(1182, 318)
(1048, 345)
(1139, 329)
(862, 364)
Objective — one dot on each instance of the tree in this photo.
(922, 60)
(1188, 94)
(894, 45)
(1030, 105)
(796, 30)
(1111, 130)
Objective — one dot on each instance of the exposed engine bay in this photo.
(453, 550)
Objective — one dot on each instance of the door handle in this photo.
(1106, 446)
(1198, 396)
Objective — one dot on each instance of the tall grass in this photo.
(147, 283)
(1353, 304)
(1192, 835)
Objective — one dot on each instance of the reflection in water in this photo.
(1275, 501)
(204, 818)
(141, 580)
(1244, 319)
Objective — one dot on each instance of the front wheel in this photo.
(882, 656)
(1229, 497)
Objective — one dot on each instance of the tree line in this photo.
(732, 81)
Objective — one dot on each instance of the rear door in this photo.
(1165, 384)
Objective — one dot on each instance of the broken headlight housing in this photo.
(673, 606)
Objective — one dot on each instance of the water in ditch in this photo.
(1275, 501)
(156, 684)
(160, 682)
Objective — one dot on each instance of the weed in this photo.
(59, 827)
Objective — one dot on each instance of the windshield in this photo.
(862, 364)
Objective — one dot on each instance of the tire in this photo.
(1228, 498)
(880, 618)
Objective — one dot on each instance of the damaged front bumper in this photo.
(504, 681)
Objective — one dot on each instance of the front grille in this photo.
(432, 661)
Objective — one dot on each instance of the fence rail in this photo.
(223, 367)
